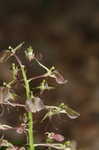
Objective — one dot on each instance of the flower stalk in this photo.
(29, 115)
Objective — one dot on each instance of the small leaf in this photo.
(69, 111)
(59, 78)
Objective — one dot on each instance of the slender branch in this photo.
(51, 107)
(18, 47)
(54, 145)
(42, 65)
(14, 104)
(37, 77)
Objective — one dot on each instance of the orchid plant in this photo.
(32, 103)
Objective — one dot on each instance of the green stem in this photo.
(29, 115)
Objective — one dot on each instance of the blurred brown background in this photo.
(66, 32)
